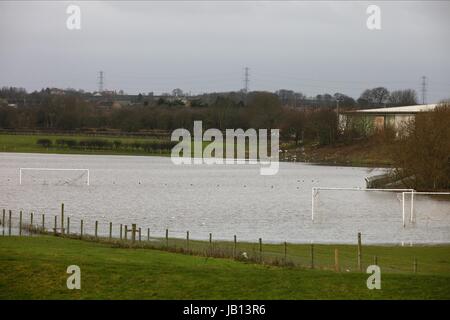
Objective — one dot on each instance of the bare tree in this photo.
(422, 154)
(406, 97)
(374, 97)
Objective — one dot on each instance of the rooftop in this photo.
(404, 109)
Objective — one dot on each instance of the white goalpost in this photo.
(21, 170)
(412, 193)
(404, 192)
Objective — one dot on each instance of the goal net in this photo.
(54, 176)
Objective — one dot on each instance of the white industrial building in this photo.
(380, 118)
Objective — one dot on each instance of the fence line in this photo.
(317, 257)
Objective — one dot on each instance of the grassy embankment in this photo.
(365, 153)
(368, 153)
(35, 268)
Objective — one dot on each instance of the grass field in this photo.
(28, 143)
(361, 154)
(35, 268)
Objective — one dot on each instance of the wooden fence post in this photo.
(148, 234)
(110, 231)
(285, 252)
(235, 247)
(125, 234)
(31, 219)
(9, 223)
(336, 260)
(359, 252)
(3, 221)
(120, 231)
(62, 218)
(375, 260)
(96, 229)
(68, 225)
(133, 232)
(312, 256)
(43, 222)
(81, 229)
(187, 240)
(55, 226)
(167, 238)
(210, 243)
(20, 223)
(415, 265)
(260, 250)
(140, 239)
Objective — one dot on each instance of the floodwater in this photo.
(223, 200)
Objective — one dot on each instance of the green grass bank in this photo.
(120, 145)
(35, 268)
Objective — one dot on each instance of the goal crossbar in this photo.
(52, 169)
(404, 191)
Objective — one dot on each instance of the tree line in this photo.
(298, 116)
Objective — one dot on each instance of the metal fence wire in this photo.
(340, 258)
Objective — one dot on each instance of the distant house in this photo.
(58, 92)
(119, 104)
(113, 104)
(370, 120)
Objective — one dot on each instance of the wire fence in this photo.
(340, 258)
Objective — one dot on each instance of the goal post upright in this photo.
(53, 169)
(412, 193)
(403, 210)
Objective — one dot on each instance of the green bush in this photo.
(117, 144)
(96, 144)
(46, 143)
(69, 143)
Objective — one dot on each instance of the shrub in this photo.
(46, 143)
(117, 144)
(96, 144)
(70, 143)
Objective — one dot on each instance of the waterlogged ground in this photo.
(222, 200)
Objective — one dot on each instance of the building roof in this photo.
(394, 110)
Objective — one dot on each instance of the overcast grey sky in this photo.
(311, 47)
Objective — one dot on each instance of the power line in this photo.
(100, 81)
(424, 89)
(246, 79)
